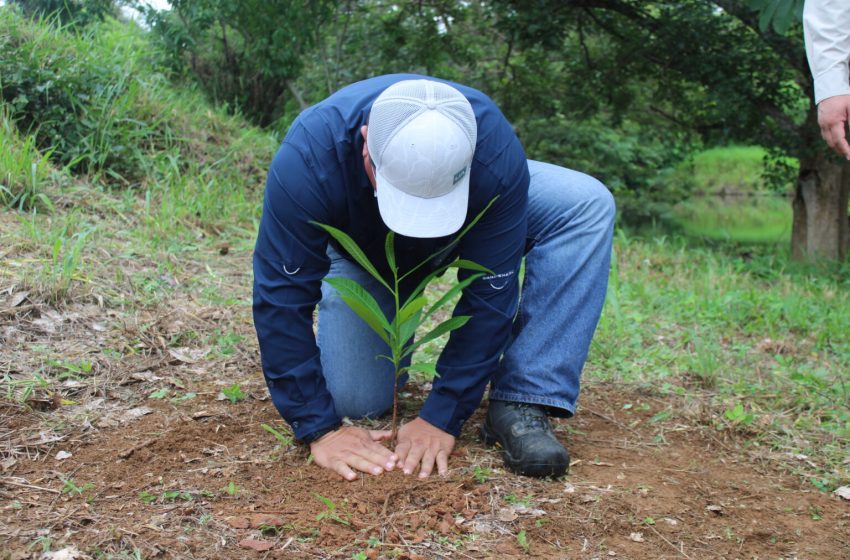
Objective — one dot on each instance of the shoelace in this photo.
(532, 416)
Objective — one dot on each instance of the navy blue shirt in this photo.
(318, 175)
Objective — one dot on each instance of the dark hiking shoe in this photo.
(523, 431)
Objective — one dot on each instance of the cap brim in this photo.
(413, 216)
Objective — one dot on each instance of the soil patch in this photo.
(203, 479)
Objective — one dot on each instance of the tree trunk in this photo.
(820, 226)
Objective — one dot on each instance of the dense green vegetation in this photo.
(110, 150)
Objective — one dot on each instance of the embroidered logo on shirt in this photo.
(500, 280)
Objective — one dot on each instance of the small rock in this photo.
(62, 455)
(715, 509)
(843, 492)
(637, 537)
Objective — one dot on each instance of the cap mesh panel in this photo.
(404, 100)
(385, 119)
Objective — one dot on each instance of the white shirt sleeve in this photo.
(826, 26)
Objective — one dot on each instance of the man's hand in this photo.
(420, 442)
(351, 448)
(833, 115)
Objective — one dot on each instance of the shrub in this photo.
(77, 94)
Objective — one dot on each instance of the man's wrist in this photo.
(318, 434)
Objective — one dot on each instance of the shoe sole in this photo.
(537, 470)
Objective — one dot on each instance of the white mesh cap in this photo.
(421, 139)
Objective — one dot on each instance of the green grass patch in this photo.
(23, 168)
(735, 323)
(746, 219)
(727, 169)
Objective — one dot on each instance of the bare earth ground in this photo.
(123, 461)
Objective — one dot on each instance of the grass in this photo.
(748, 219)
(733, 324)
(23, 168)
(729, 169)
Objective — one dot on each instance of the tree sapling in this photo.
(409, 314)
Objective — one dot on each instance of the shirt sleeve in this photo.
(290, 262)
(826, 27)
(473, 351)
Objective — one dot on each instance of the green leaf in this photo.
(408, 328)
(327, 501)
(161, 393)
(784, 16)
(389, 249)
(469, 265)
(363, 304)
(439, 330)
(767, 15)
(426, 368)
(354, 250)
(410, 309)
(457, 288)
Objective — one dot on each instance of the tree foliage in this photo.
(69, 12)
(243, 52)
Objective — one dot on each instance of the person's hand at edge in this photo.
(349, 448)
(420, 443)
(833, 116)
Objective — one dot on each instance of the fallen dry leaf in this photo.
(68, 553)
(506, 515)
(17, 299)
(238, 522)
(259, 520)
(188, 355)
(254, 544)
(135, 413)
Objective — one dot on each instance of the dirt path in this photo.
(638, 489)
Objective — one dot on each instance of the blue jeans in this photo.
(568, 254)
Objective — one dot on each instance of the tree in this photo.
(246, 53)
(545, 89)
(730, 70)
